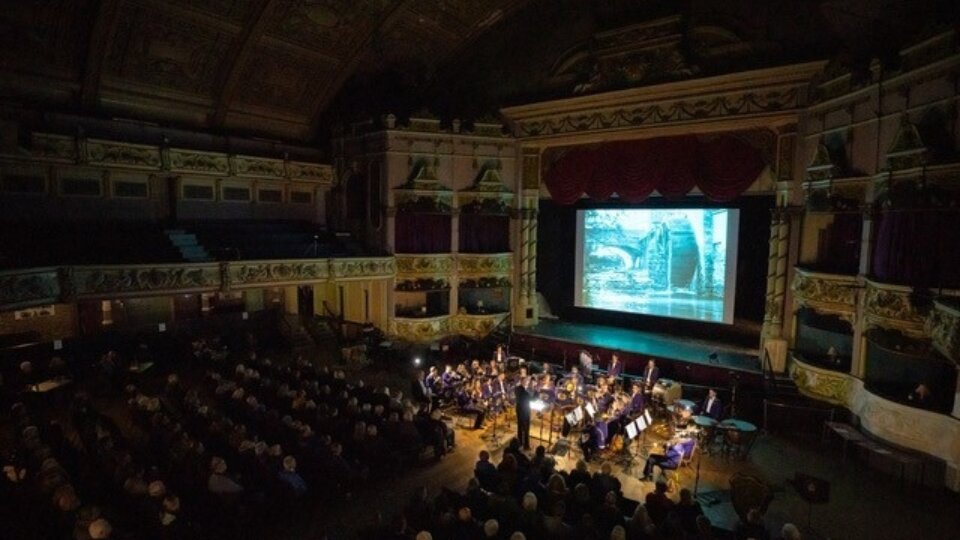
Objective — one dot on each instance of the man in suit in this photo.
(650, 375)
(616, 367)
(523, 413)
(712, 406)
(636, 400)
(668, 460)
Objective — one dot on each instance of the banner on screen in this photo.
(667, 262)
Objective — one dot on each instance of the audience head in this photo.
(754, 516)
(484, 455)
(661, 487)
(530, 501)
(99, 529)
(618, 533)
(218, 465)
(606, 468)
(790, 532)
(424, 535)
(518, 536)
(685, 496)
(490, 528)
(290, 464)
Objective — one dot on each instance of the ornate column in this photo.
(527, 313)
(774, 343)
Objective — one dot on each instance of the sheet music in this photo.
(590, 410)
(578, 414)
(641, 423)
(632, 430)
(571, 417)
(647, 418)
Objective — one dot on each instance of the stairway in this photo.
(296, 336)
(190, 248)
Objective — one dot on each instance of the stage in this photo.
(683, 359)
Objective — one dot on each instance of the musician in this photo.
(450, 377)
(636, 400)
(668, 460)
(616, 367)
(711, 406)
(591, 440)
(472, 402)
(605, 399)
(522, 400)
(433, 379)
(547, 390)
(476, 368)
(650, 375)
(464, 373)
(575, 377)
(586, 362)
(502, 387)
(493, 368)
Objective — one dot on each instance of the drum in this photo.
(704, 421)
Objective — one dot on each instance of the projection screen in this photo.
(673, 262)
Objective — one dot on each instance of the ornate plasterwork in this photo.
(476, 326)
(820, 383)
(944, 328)
(118, 280)
(371, 267)
(908, 149)
(28, 288)
(484, 265)
(257, 167)
(425, 264)
(194, 161)
(139, 156)
(277, 272)
(421, 330)
(934, 433)
(53, 147)
(826, 293)
(889, 306)
(312, 172)
(823, 166)
(488, 195)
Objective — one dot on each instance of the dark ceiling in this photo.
(290, 69)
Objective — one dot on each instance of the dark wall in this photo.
(556, 258)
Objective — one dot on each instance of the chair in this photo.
(672, 475)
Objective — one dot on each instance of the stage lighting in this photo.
(416, 361)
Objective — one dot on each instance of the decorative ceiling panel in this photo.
(236, 11)
(280, 80)
(332, 27)
(47, 37)
(160, 50)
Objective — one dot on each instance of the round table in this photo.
(737, 424)
(704, 421)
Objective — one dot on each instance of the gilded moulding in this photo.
(820, 383)
(421, 330)
(889, 307)
(99, 281)
(826, 293)
(28, 288)
(378, 267)
(425, 264)
(277, 272)
(193, 161)
(138, 156)
(944, 328)
(477, 265)
(477, 326)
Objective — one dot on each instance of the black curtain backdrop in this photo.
(422, 233)
(484, 233)
(556, 258)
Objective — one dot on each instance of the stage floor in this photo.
(636, 341)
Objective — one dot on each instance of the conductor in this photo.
(523, 413)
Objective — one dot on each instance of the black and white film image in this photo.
(663, 262)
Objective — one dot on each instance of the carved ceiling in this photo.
(280, 68)
(267, 67)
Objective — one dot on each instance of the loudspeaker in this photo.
(812, 489)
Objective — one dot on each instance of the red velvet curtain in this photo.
(422, 233)
(918, 248)
(722, 168)
(484, 233)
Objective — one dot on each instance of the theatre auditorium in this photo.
(479, 269)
